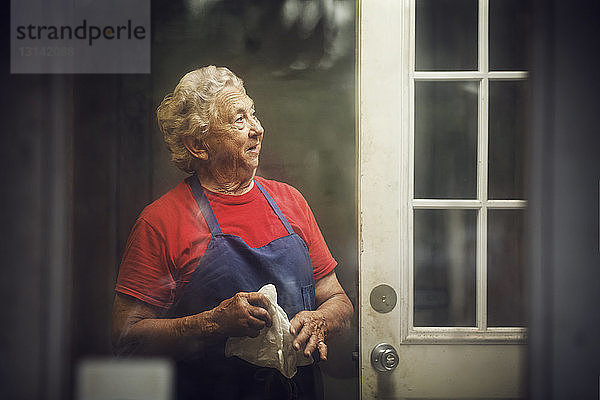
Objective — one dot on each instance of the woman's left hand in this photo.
(332, 316)
(310, 331)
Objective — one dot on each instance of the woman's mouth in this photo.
(253, 149)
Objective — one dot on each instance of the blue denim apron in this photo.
(229, 266)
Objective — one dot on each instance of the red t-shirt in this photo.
(170, 236)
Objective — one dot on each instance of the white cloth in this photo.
(273, 346)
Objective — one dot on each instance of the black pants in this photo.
(235, 379)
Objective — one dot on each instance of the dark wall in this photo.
(564, 205)
(75, 174)
(21, 248)
(111, 157)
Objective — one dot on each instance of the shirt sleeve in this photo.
(144, 272)
(320, 256)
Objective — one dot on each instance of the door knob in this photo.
(384, 357)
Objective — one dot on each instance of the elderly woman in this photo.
(196, 257)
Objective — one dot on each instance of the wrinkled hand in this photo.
(310, 331)
(244, 314)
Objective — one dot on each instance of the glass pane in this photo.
(508, 35)
(506, 301)
(444, 267)
(446, 139)
(507, 128)
(446, 35)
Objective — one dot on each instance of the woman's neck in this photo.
(226, 186)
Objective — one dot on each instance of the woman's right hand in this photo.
(139, 329)
(244, 314)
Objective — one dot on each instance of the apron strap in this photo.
(275, 208)
(205, 208)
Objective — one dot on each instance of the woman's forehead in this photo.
(232, 99)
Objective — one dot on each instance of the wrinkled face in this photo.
(235, 137)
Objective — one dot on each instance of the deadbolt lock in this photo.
(384, 357)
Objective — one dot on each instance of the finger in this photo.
(255, 323)
(258, 299)
(322, 350)
(311, 345)
(252, 333)
(297, 323)
(303, 336)
(262, 314)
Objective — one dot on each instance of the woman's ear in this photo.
(195, 147)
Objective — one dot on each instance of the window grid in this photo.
(480, 333)
(482, 167)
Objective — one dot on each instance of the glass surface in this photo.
(446, 35)
(508, 35)
(507, 129)
(302, 80)
(444, 262)
(506, 303)
(446, 139)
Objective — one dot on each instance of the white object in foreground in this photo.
(131, 379)
(273, 346)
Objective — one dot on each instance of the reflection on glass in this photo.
(507, 119)
(446, 35)
(508, 35)
(446, 139)
(505, 268)
(444, 262)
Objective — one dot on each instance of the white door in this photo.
(442, 96)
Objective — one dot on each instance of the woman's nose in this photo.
(256, 127)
